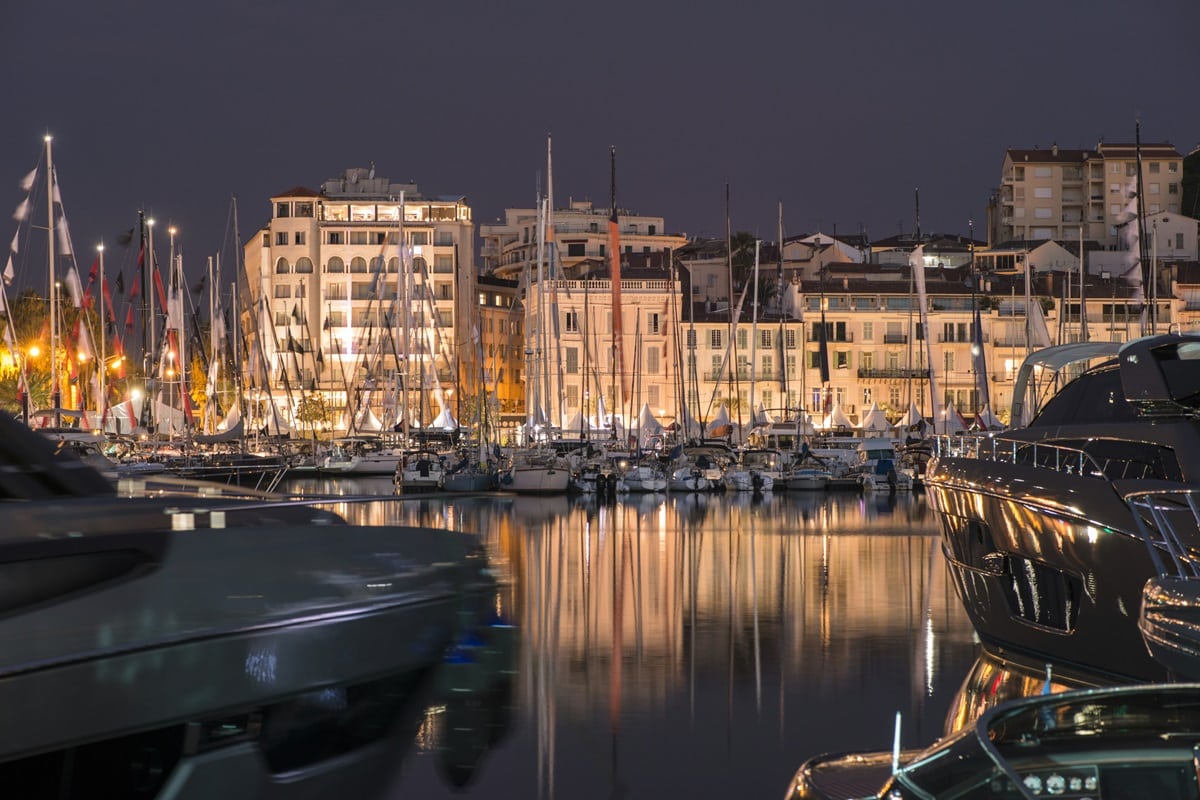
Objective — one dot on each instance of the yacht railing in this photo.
(1167, 519)
(1056, 457)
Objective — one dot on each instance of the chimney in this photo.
(1054, 149)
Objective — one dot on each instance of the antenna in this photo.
(896, 746)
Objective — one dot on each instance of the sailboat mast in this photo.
(754, 337)
(102, 404)
(55, 390)
(614, 247)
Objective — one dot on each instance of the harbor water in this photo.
(688, 645)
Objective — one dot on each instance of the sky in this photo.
(843, 112)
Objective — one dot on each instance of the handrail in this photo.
(1159, 514)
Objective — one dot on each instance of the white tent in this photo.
(445, 421)
(911, 417)
(836, 418)
(720, 424)
(365, 420)
(804, 425)
(949, 420)
(875, 421)
(576, 424)
(988, 420)
(759, 418)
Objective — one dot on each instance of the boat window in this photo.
(1095, 396)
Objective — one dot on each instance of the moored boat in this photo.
(1045, 540)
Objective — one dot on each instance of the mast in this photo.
(102, 406)
(403, 277)
(614, 247)
(780, 348)
(754, 337)
(1083, 325)
(55, 390)
(1147, 277)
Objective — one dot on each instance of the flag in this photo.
(125, 239)
(73, 287)
(8, 273)
(22, 210)
(979, 362)
(158, 287)
(823, 349)
(64, 237)
(295, 312)
(27, 181)
(120, 283)
(106, 293)
(129, 319)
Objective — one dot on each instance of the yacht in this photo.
(362, 455)
(157, 633)
(420, 471)
(1123, 741)
(1052, 531)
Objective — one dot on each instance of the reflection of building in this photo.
(337, 313)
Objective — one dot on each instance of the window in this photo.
(443, 239)
(1130, 170)
(1155, 167)
(1114, 188)
(1172, 188)
(894, 396)
(1154, 188)
(790, 338)
(714, 339)
(358, 264)
(652, 322)
(418, 238)
(1042, 213)
(1018, 173)
(335, 264)
(304, 265)
(1173, 167)
(867, 399)
(691, 339)
(281, 238)
(868, 331)
(768, 366)
(283, 209)
(1041, 172)
(335, 237)
(716, 367)
(764, 338)
(1043, 193)
(443, 264)
(866, 360)
(791, 366)
(266, 240)
(298, 237)
(1115, 169)
(336, 319)
(358, 237)
(576, 249)
(1179, 241)
(948, 361)
(283, 290)
(743, 338)
(362, 213)
(841, 359)
(282, 267)
(572, 360)
(652, 365)
(335, 213)
(304, 209)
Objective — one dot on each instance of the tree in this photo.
(742, 261)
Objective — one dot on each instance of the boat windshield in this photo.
(1077, 734)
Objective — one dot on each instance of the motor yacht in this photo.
(1126, 741)
(154, 638)
(1051, 531)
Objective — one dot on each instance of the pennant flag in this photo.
(16, 242)
(137, 286)
(27, 181)
(158, 287)
(64, 237)
(73, 287)
(295, 312)
(22, 210)
(129, 319)
(126, 238)
(120, 282)
(823, 350)
(108, 301)
(979, 362)
(8, 273)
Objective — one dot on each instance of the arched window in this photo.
(393, 264)
(282, 267)
(418, 266)
(377, 264)
(358, 264)
(335, 265)
(304, 264)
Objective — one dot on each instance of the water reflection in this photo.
(716, 625)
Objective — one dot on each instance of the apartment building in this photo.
(340, 315)
(580, 236)
(1066, 194)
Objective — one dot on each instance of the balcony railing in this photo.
(895, 338)
(893, 373)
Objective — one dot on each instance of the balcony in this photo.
(893, 373)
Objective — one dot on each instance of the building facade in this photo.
(345, 314)
(1065, 194)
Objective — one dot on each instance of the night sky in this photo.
(839, 110)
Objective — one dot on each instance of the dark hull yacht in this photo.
(1052, 531)
(160, 643)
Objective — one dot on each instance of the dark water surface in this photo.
(690, 646)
